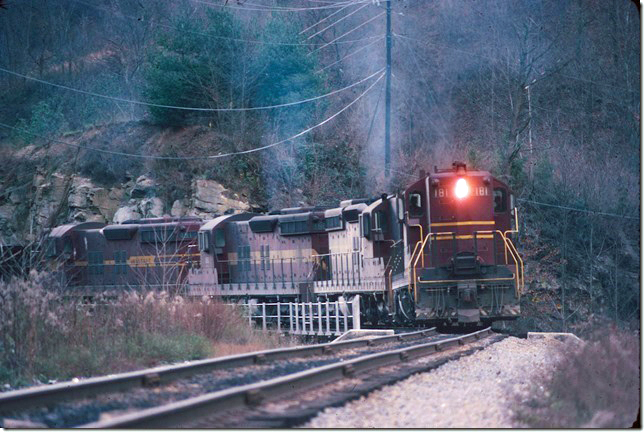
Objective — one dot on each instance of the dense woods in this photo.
(545, 94)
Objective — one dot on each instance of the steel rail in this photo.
(24, 399)
(254, 394)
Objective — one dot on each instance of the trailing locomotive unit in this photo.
(441, 252)
(147, 253)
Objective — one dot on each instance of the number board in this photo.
(440, 192)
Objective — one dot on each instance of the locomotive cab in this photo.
(463, 267)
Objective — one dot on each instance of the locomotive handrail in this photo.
(508, 246)
(413, 254)
(515, 252)
(516, 225)
(515, 256)
(422, 247)
(421, 238)
(468, 280)
(516, 230)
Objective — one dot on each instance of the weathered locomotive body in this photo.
(148, 254)
(439, 251)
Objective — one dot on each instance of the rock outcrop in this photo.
(57, 198)
(210, 198)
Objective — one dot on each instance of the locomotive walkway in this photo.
(252, 390)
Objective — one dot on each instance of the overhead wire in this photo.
(348, 32)
(326, 18)
(349, 55)
(233, 39)
(275, 8)
(577, 209)
(184, 108)
(338, 21)
(255, 7)
(206, 157)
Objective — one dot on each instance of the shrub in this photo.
(44, 336)
(595, 384)
(46, 119)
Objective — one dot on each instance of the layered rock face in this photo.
(55, 199)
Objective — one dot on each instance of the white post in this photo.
(250, 318)
(337, 318)
(279, 318)
(290, 317)
(320, 318)
(344, 316)
(355, 310)
(264, 316)
(328, 321)
(297, 318)
(311, 323)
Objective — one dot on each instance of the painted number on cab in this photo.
(478, 191)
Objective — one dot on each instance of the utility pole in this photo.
(388, 94)
(530, 129)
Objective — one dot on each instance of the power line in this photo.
(184, 108)
(335, 22)
(577, 209)
(233, 39)
(217, 156)
(349, 55)
(259, 42)
(350, 31)
(275, 8)
(326, 18)
(334, 5)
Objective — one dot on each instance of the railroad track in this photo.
(183, 394)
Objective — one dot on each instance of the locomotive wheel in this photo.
(383, 312)
(371, 309)
(404, 306)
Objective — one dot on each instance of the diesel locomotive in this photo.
(440, 251)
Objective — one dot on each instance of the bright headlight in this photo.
(462, 189)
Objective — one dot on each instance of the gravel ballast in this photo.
(473, 392)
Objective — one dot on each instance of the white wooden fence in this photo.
(309, 318)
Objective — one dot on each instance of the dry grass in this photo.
(594, 385)
(44, 337)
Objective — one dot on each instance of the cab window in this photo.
(204, 241)
(415, 204)
(220, 238)
(379, 221)
(500, 200)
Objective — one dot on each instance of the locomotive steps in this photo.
(240, 382)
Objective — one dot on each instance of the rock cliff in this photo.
(54, 199)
